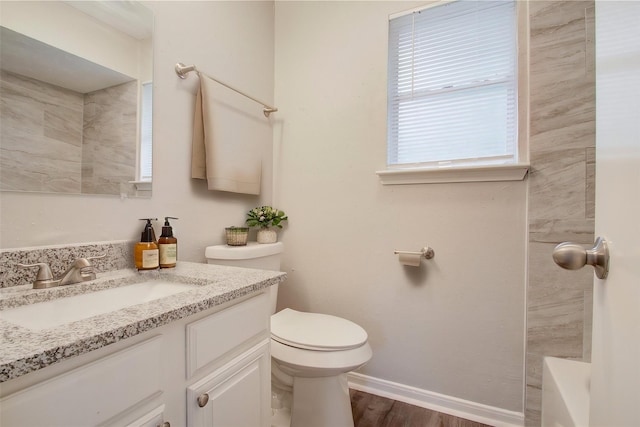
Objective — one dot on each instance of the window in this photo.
(146, 128)
(452, 86)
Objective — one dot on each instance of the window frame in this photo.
(471, 172)
(146, 133)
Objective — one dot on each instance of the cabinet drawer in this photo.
(224, 332)
(99, 391)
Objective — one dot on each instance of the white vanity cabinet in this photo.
(158, 378)
(237, 392)
(90, 394)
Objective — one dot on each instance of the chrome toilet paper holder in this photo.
(426, 252)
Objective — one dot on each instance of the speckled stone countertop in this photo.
(24, 350)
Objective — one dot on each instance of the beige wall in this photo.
(64, 27)
(455, 326)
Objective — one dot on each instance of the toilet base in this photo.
(315, 402)
(280, 417)
(281, 397)
(321, 402)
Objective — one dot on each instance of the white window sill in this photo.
(142, 185)
(453, 174)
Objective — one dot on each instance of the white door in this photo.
(615, 383)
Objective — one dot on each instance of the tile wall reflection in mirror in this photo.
(76, 90)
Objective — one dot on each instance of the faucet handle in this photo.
(44, 278)
(87, 269)
(44, 272)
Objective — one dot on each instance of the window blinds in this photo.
(452, 88)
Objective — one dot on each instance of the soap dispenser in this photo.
(146, 252)
(168, 245)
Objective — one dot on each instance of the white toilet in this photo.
(310, 352)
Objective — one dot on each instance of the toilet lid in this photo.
(313, 331)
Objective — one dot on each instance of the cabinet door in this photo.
(236, 395)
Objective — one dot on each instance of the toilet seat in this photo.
(317, 332)
(309, 363)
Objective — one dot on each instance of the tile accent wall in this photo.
(76, 143)
(109, 139)
(561, 186)
(48, 120)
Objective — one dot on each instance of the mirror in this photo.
(75, 91)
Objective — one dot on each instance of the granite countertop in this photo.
(24, 350)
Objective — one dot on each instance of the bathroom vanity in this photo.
(197, 357)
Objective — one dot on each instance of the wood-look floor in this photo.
(374, 411)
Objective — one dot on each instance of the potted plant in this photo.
(266, 218)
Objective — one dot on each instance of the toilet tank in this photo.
(265, 256)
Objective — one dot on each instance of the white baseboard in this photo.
(437, 402)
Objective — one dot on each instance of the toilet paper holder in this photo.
(426, 252)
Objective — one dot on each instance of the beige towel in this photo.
(224, 150)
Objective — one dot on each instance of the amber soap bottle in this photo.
(168, 245)
(146, 253)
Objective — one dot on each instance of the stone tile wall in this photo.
(41, 136)
(109, 139)
(60, 141)
(561, 185)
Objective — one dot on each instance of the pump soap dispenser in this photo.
(168, 245)
(146, 252)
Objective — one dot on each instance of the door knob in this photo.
(573, 256)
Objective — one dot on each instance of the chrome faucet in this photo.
(80, 270)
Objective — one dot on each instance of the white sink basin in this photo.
(60, 311)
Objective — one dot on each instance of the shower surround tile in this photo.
(47, 119)
(109, 139)
(77, 143)
(555, 305)
(561, 230)
(562, 82)
(561, 185)
(63, 124)
(557, 186)
(533, 403)
(590, 190)
(561, 120)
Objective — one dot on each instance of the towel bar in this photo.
(182, 71)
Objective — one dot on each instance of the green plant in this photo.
(265, 216)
